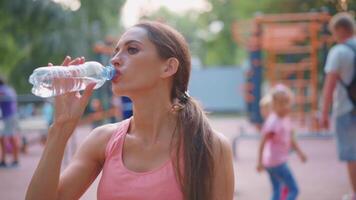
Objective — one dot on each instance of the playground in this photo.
(236, 58)
(322, 177)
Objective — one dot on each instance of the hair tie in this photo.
(186, 93)
(184, 97)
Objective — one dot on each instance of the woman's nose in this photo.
(116, 60)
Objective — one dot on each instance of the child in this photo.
(265, 106)
(277, 139)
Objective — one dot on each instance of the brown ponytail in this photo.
(197, 150)
(195, 170)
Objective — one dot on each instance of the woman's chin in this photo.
(118, 91)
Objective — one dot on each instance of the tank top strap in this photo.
(117, 137)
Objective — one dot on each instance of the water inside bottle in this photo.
(56, 80)
(54, 87)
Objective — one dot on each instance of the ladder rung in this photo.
(296, 83)
(293, 67)
(291, 50)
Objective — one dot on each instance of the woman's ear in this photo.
(170, 68)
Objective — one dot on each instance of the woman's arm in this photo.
(47, 183)
(223, 187)
(44, 182)
(68, 110)
(86, 164)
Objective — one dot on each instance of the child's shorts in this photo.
(346, 136)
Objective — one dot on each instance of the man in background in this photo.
(8, 105)
(340, 73)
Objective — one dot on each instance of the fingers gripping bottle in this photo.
(56, 80)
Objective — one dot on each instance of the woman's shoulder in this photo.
(105, 132)
(221, 145)
(101, 135)
(99, 138)
(220, 138)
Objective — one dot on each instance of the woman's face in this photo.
(137, 63)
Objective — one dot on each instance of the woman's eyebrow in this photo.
(127, 43)
(132, 41)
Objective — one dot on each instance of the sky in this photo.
(134, 8)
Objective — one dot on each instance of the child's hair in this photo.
(266, 101)
(265, 105)
(280, 89)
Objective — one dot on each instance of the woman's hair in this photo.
(343, 20)
(195, 171)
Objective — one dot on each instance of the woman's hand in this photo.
(69, 107)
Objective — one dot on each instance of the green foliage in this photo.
(218, 48)
(186, 24)
(35, 32)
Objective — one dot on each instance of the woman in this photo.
(167, 150)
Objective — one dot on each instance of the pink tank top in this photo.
(117, 182)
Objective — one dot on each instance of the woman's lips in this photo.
(116, 77)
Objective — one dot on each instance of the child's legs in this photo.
(276, 184)
(286, 176)
(284, 192)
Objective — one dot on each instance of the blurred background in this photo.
(239, 48)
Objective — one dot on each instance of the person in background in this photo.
(276, 142)
(122, 107)
(265, 106)
(265, 109)
(126, 107)
(97, 113)
(8, 105)
(47, 112)
(340, 69)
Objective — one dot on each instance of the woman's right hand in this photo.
(69, 107)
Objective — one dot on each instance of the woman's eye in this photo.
(132, 50)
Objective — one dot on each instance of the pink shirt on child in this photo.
(277, 147)
(117, 182)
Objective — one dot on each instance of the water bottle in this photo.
(56, 80)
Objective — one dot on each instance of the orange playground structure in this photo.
(289, 49)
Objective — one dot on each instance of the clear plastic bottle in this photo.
(57, 80)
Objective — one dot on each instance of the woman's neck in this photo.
(153, 120)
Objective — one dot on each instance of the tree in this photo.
(37, 32)
(222, 50)
(185, 23)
